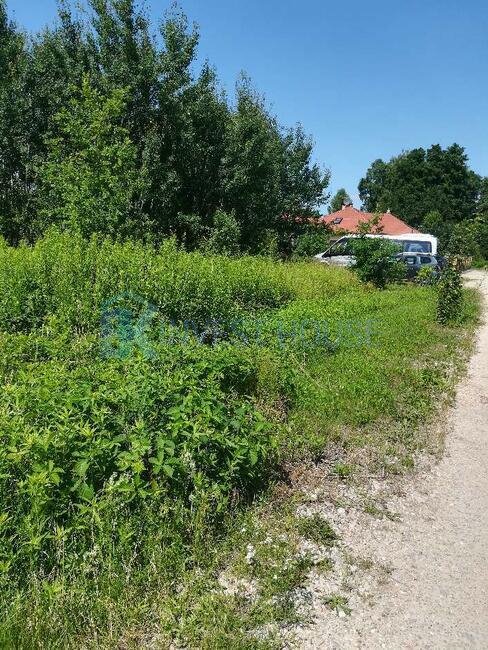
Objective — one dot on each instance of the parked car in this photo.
(340, 253)
(442, 261)
(416, 261)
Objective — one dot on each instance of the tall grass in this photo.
(122, 475)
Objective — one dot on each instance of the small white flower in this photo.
(251, 553)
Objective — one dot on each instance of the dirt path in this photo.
(433, 592)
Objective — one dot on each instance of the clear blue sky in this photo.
(366, 79)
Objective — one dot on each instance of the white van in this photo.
(340, 253)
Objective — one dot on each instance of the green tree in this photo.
(340, 198)
(192, 150)
(373, 186)
(482, 207)
(252, 171)
(303, 183)
(463, 240)
(303, 190)
(89, 179)
(126, 56)
(434, 224)
(202, 146)
(225, 235)
(41, 75)
(15, 176)
(481, 234)
(419, 181)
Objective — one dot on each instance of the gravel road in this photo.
(434, 591)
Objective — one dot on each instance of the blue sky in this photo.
(366, 79)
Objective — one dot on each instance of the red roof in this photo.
(349, 218)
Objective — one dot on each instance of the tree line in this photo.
(431, 189)
(106, 127)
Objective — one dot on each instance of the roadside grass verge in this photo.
(152, 405)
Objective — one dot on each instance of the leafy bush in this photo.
(68, 280)
(426, 275)
(314, 241)
(84, 441)
(188, 230)
(225, 235)
(481, 233)
(374, 261)
(450, 296)
(463, 240)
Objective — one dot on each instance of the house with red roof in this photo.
(349, 218)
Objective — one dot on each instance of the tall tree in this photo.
(167, 139)
(89, 179)
(194, 153)
(126, 56)
(303, 183)
(252, 166)
(14, 146)
(482, 206)
(419, 181)
(340, 198)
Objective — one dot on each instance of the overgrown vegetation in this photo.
(435, 190)
(148, 394)
(450, 296)
(105, 128)
(156, 378)
(375, 261)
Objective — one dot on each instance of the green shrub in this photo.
(312, 242)
(81, 442)
(188, 230)
(225, 234)
(68, 279)
(463, 240)
(450, 296)
(374, 261)
(426, 275)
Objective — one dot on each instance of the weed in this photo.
(339, 604)
(317, 529)
(126, 477)
(343, 470)
(450, 296)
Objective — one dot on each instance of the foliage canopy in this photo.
(106, 129)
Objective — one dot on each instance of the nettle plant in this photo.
(88, 445)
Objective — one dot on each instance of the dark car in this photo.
(442, 261)
(416, 261)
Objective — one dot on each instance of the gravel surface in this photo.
(417, 577)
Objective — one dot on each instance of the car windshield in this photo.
(417, 247)
(342, 247)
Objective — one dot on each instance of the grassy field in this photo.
(150, 400)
